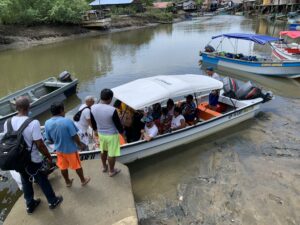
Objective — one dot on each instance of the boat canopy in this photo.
(292, 34)
(257, 38)
(147, 91)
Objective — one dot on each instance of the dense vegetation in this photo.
(29, 12)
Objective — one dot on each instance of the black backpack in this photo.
(77, 116)
(14, 154)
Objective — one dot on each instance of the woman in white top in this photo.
(178, 121)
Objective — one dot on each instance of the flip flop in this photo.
(104, 170)
(116, 171)
(86, 181)
(70, 183)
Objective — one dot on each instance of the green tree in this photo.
(31, 12)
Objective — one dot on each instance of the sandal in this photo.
(114, 173)
(86, 181)
(105, 169)
(70, 183)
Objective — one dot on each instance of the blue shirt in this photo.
(61, 131)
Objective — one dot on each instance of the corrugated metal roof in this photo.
(110, 2)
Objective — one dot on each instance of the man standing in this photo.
(34, 140)
(85, 119)
(210, 72)
(108, 126)
(63, 133)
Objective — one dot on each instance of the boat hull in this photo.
(289, 69)
(281, 54)
(139, 150)
(43, 104)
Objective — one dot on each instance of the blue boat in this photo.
(239, 63)
(294, 26)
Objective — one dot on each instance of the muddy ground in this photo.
(16, 36)
(251, 177)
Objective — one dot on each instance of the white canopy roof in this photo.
(147, 91)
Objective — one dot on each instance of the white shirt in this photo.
(31, 133)
(152, 132)
(176, 121)
(82, 124)
(216, 76)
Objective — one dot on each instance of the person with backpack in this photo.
(82, 119)
(23, 141)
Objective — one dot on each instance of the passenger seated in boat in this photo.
(118, 106)
(189, 110)
(150, 130)
(156, 113)
(178, 121)
(170, 107)
(165, 121)
(133, 133)
(126, 119)
(213, 99)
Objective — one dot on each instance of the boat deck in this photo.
(104, 200)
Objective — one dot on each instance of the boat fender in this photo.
(65, 76)
(209, 48)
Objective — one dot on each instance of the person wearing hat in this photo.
(150, 131)
(210, 72)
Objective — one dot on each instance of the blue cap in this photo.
(210, 68)
(147, 119)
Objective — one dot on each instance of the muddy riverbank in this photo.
(16, 36)
(249, 177)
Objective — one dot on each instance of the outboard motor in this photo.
(248, 91)
(209, 48)
(230, 87)
(65, 76)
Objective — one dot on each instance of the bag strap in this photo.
(84, 109)
(24, 125)
(9, 126)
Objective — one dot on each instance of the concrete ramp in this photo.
(104, 200)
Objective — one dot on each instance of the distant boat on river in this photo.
(251, 64)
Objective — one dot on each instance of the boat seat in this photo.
(40, 92)
(205, 113)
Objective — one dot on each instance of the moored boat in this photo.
(287, 51)
(253, 65)
(40, 95)
(145, 92)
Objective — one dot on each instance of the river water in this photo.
(113, 59)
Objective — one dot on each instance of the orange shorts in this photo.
(68, 161)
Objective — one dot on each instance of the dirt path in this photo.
(249, 178)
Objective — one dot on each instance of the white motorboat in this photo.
(145, 92)
(287, 51)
